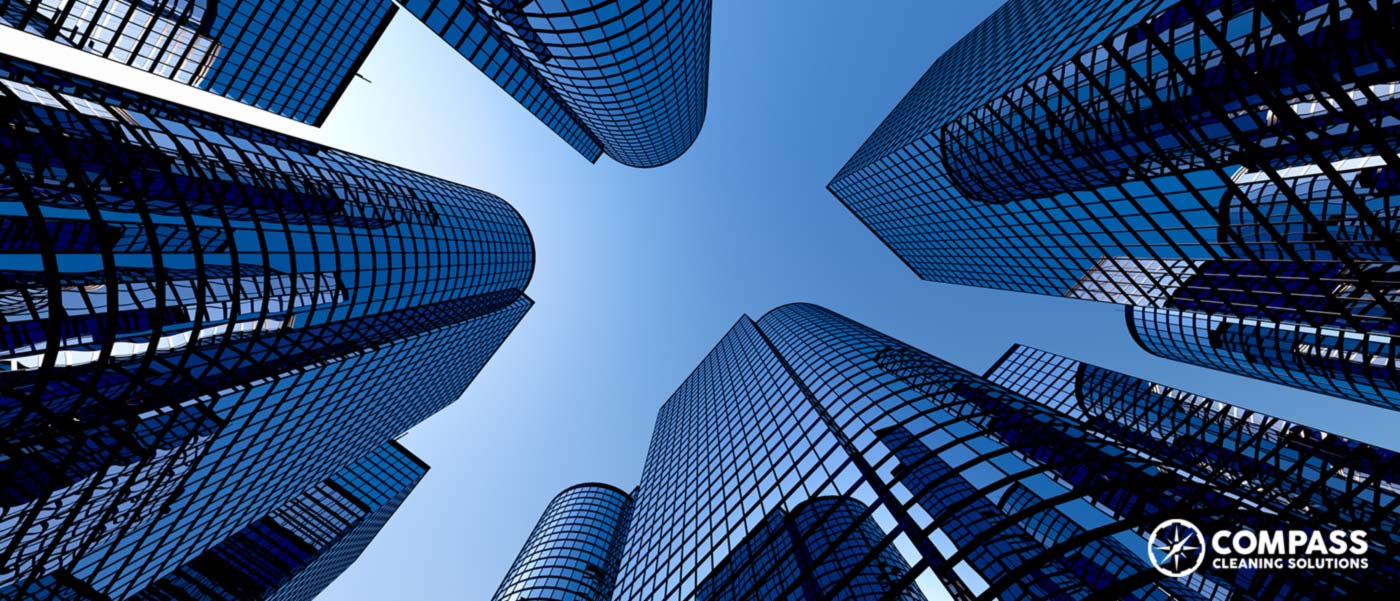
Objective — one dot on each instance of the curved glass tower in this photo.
(574, 550)
(810, 457)
(202, 319)
(625, 77)
(1231, 159)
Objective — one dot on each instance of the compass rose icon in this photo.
(1177, 548)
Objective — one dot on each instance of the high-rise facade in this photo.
(203, 319)
(1219, 161)
(297, 550)
(292, 58)
(1303, 470)
(625, 77)
(808, 552)
(575, 549)
(1360, 366)
(810, 457)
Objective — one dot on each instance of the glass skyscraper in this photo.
(574, 551)
(810, 457)
(292, 58)
(625, 77)
(1230, 162)
(203, 319)
(298, 549)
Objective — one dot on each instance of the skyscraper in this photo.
(1222, 161)
(203, 319)
(574, 551)
(625, 77)
(298, 549)
(809, 457)
(294, 59)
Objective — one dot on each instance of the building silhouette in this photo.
(203, 319)
(625, 77)
(810, 457)
(1201, 162)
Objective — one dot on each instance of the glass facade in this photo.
(292, 58)
(1288, 469)
(299, 548)
(809, 457)
(203, 319)
(1351, 365)
(574, 550)
(808, 552)
(626, 77)
(1219, 157)
(56, 586)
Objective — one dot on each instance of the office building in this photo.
(574, 551)
(291, 58)
(203, 319)
(297, 550)
(625, 77)
(1230, 162)
(810, 457)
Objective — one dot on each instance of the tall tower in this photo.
(625, 77)
(1231, 163)
(202, 319)
(574, 551)
(810, 457)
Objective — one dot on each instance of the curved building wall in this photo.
(632, 73)
(574, 550)
(142, 236)
(1154, 153)
(1309, 206)
(156, 255)
(1357, 367)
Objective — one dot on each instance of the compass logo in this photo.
(1177, 548)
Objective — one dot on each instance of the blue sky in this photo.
(639, 272)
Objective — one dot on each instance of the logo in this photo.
(1177, 548)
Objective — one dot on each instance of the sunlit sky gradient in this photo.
(639, 272)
